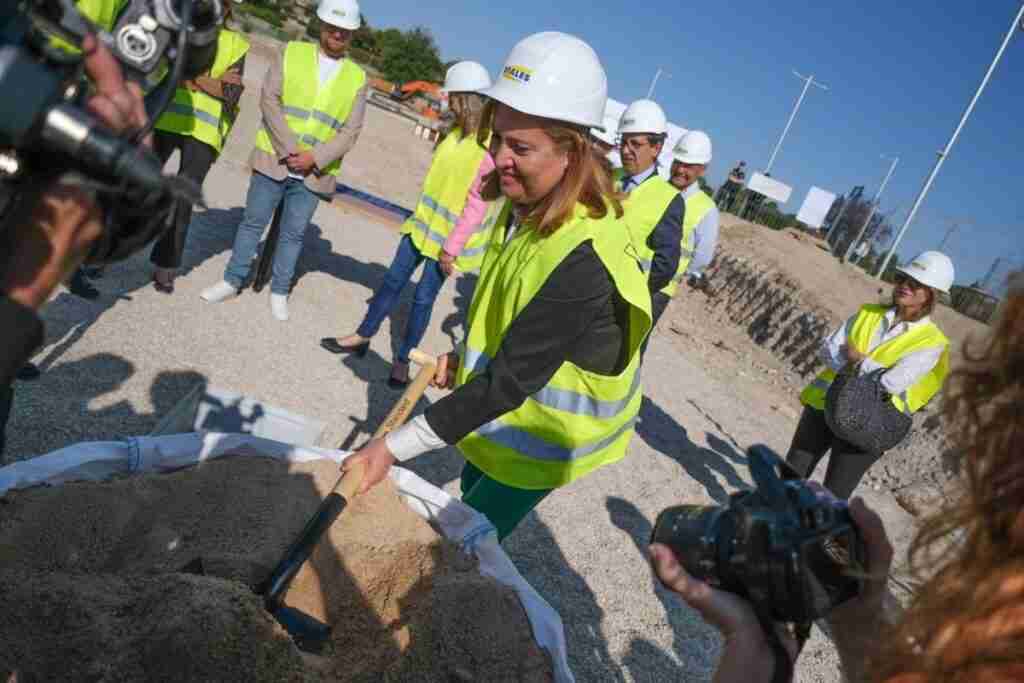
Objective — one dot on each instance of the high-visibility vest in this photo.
(445, 190)
(314, 113)
(927, 336)
(196, 114)
(698, 205)
(643, 209)
(580, 420)
(103, 13)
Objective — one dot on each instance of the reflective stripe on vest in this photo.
(642, 211)
(925, 336)
(445, 191)
(198, 115)
(579, 421)
(698, 205)
(314, 113)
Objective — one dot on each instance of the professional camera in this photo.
(46, 133)
(789, 549)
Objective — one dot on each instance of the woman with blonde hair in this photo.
(446, 231)
(546, 382)
(966, 622)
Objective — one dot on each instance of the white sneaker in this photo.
(279, 306)
(221, 291)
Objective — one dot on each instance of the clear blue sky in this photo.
(900, 76)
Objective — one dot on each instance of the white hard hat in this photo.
(556, 76)
(933, 269)
(694, 147)
(340, 13)
(467, 77)
(606, 136)
(643, 116)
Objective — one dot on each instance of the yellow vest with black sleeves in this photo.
(698, 205)
(314, 113)
(925, 336)
(580, 421)
(198, 115)
(445, 190)
(642, 209)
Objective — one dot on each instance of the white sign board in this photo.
(770, 188)
(816, 207)
(613, 111)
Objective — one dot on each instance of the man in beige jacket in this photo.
(313, 104)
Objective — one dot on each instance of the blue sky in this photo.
(900, 76)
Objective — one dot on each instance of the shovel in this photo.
(309, 633)
(265, 265)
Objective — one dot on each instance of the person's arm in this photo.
(705, 239)
(666, 243)
(907, 371)
(281, 136)
(833, 350)
(344, 140)
(472, 214)
(228, 87)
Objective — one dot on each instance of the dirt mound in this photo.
(104, 561)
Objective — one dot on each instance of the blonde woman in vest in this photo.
(546, 382)
(312, 103)
(902, 338)
(445, 233)
(197, 123)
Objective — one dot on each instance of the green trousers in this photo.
(505, 506)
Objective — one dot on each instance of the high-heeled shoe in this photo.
(334, 346)
(164, 287)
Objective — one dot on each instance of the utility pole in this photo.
(955, 224)
(987, 281)
(1018, 22)
(871, 213)
(654, 82)
(808, 82)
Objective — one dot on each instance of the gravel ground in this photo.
(114, 366)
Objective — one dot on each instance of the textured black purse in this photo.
(858, 410)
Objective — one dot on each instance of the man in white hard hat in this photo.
(691, 157)
(312, 103)
(654, 209)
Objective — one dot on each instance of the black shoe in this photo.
(334, 346)
(80, 286)
(29, 372)
(399, 378)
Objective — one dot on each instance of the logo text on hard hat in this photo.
(515, 72)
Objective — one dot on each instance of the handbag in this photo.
(858, 410)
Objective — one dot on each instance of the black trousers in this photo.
(659, 302)
(196, 159)
(847, 464)
(6, 399)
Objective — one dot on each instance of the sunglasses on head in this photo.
(903, 279)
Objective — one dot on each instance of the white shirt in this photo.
(705, 235)
(328, 67)
(905, 373)
(630, 183)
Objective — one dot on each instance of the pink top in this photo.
(473, 213)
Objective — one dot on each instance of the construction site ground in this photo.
(112, 367)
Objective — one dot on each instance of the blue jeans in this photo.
(264, 196)
(407, 259)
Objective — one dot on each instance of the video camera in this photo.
(45, 131)
(792, 551)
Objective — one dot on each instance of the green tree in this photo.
(706, 186)
(409, 56)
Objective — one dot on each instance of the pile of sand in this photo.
(92, 589)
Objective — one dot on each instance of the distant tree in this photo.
(706, 186)
(409, 56)
(365, 38)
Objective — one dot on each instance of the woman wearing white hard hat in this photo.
(445, 233)
(900, 340)
(545, 383)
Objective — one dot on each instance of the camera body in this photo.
(789, 549)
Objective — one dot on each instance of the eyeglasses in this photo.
(636, 144)
(902, 279)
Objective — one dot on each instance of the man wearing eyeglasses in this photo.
(312, 103)
(654, 209)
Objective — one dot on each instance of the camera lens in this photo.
(692, 532)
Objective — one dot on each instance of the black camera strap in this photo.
(785, 665)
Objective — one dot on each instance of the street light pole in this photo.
(1018, 21)
(809, 81)
(871, 213)
(654, 82)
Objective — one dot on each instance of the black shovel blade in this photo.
(308, 633)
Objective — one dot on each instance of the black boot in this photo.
(80, 286)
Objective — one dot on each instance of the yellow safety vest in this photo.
(314, 113)
(580, 421)
(698, 205)
(445, 190)
(196, 114)
(103, 13)
(927, 336)
(643, 209)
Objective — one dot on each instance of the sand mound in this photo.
(91, 576)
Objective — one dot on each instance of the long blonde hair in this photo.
(586, 180)
(468, 109)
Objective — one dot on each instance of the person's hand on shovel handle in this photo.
(377, 459)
